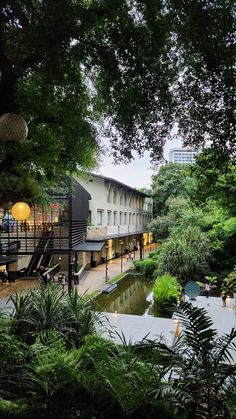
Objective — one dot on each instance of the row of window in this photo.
(125, 199)
(120, 218)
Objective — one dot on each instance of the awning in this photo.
(4, 260)
(89, 246)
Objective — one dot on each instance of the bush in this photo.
(153, 254)
(156, 273)
(166, 291)
(137, 264)
(148, 266)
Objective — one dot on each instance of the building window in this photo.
(114, 196)
(89, 220)
(125, 199)
(121, 198)
(115, 218)
(109, 221)
(125, 218)
(99, 217)
(121, 218)
(130, 218)
(109, 195)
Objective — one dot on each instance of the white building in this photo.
(182, 155)
(99, 219)
(117, 213)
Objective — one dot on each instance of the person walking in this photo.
(223, 296)
(207, 289)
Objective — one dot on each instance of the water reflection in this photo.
(132, 296)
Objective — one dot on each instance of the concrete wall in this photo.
(130, 207)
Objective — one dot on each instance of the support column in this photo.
(70, 273)
(141, 247)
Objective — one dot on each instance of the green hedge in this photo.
(146, 266)
(154, 254)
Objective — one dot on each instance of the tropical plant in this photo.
(229, 283)
(166, 291)
(50, 308)
(212, 280)
(203, 366)
(185, 254)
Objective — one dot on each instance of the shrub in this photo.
(148, 266)
(166, 291)
(153, 254)
(137, 264)
(50, 308)
(156, 273)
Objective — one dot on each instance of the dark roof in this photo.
(7, 259)
(89, 246)
(109, 179)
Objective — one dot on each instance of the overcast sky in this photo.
(137, 173)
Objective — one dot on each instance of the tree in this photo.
(185, 254)
(140, 66)
(170, 181)
(180, 213)
(215, 176)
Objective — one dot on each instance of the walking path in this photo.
(94, 281)
(134, 328)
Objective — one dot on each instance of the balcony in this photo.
(109, 232)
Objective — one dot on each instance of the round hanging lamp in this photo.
(20, 211)
(13, 128)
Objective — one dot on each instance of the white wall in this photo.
(99, 188)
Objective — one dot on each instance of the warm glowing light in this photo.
(177, 329)
(20, 211)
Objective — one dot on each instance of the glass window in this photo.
(125, 218)
(99, 217)
(114, 196)
(109, 218)
(115, 218)
(121, 218)
(130, 218)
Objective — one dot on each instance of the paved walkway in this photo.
(135, 328)
(94, 281)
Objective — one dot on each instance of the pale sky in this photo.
(137, 173)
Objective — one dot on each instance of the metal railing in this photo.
(64, 236)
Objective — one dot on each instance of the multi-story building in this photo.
(99, 220)
(117, 214)
(182, 155)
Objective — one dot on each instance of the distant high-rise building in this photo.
(182, 155)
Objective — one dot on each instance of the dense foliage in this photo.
(44, 377)
(185, 254)
(134, 67)
(201, 200)
(166, 292)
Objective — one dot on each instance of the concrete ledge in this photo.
(109, 289)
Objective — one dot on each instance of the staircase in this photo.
(39, 252)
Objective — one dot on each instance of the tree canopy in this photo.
(138, 66)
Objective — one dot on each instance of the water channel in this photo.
(133, 295)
